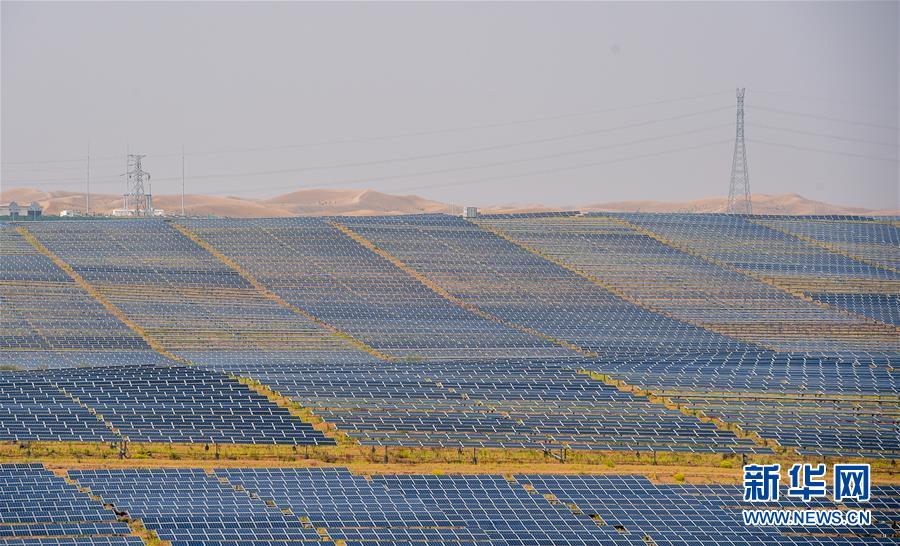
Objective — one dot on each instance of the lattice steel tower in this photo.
(136, 200)
(739, 191)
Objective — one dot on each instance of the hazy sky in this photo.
(281, 90)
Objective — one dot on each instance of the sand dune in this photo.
(299, 203)
(785, 203)
(307, 202)
(315, 202)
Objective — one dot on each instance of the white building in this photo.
(130, 212)
(12, 210)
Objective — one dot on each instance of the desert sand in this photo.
(317, 202)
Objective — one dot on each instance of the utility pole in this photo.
(182, 180)
(125, 193)
(739, 189)
(87, 201)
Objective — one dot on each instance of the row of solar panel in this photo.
(290, 255)
(38, 508)
(507, 403)
(281, 505)
(143, 404)
(638, 345)
(523, 288)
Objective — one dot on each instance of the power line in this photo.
(486, 179)
(880, 109)
(824, 135)
(831, 152)
(449, 130)
(66, 181)
(36, 162)
(505, 163)
(397, 135)
(480, 165)
(433, 156)
(45, 168)
(508, 145)
(57, 181)
(565, 169)
(825, 118)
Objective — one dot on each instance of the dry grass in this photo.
(149, 537)
(297, 410)
(664, 467)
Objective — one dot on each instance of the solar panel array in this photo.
(314, 266)
(673, 264)
(351, 508)
(430, 330)
(36, 409)
(523, 288)
(39, 508)
(795, 265)
(189, 507)
(871, 242)
(144, 404)
(815, 425)
(291, 505)
(45, 312)
(703, 514)
(809, 375)
(503, 510)
(179, 294)
(501, 404)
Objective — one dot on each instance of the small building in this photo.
(470, 212)
(70, 212)
(12, 210)
(131, 212)
(35, 209)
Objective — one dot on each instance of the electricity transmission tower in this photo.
(136, 200)
(739, 191)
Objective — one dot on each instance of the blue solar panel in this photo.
(473, 331)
